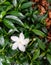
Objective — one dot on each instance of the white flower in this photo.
(20, 42)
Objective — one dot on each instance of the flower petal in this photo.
(14, 46)
(14, 38)
(21, 48)
(21, 36)
(26, 41)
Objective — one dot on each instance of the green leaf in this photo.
(42, 54)
(41, 44)
(36, 54)
(15, 18)
(9, 7)
(3, 13)
(18, 14)
(38, 32)
(49, 58)
(9, 24)
(2, 1)
(49, 1)
(26, 5)
(7, 3)
(44, 17)
(35, 17)
(15, 3)
(21, 1)
(1, 40)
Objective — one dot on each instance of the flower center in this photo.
(20, 42)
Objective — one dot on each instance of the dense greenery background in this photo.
(19, 16)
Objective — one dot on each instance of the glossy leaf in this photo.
(9, 24)
(26, 5)
(41, 44)
(38, 32)
(36, 54)
(14, 18)
(49, 58)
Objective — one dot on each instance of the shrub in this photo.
(18, 18)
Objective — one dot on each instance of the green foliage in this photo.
(38, 32)
(41, 44)
(18, 16)
(26, 5)
(49, 58)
